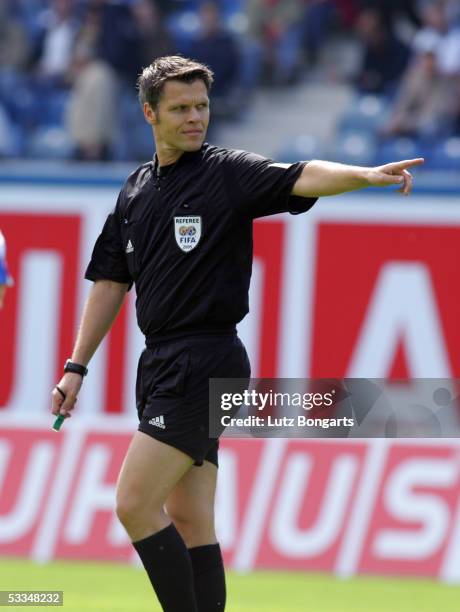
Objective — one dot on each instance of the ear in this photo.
(149, 114)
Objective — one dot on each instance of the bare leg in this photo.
(150, 471)
(191, 507)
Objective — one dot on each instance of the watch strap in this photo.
(75, 368)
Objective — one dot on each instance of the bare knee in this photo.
(195, 527)
(138, 517)
(127, 509)
(141, 492)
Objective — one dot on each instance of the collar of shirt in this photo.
(187, 158)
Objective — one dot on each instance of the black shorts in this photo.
(172, 389)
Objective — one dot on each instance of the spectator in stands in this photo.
(384, 56)
(453, 12)
(15, 52)
(426, 101)
(318, 20)
(14, 56)
(217, 48)
(443, 37)
(153, 40)
(457, 117)
(14, 46)
(117, 41)
(58, 39)
(277, 25)
(457, 108)
(92, 113)
(393, 10)
(168, 7)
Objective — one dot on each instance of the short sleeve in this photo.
(263, 187)
(108, 261)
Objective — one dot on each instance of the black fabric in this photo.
(172, 390)
(218, 190)
(208, 577)
(167, 563)
(262, 187)
(108, 261)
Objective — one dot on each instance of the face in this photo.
(369, 26)
(435, 17)
(428, 63)
(209, 13)
(63, 8)
(145, 13)
(181, 118)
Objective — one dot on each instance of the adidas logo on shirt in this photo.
(129, 247)
(158, 421)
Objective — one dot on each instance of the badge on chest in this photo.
(187, 231)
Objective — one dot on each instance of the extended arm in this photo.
(323, 178)
(101, 308)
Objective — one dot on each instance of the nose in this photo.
(194, 115)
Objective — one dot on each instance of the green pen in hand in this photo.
(60, 417)
(58, 422)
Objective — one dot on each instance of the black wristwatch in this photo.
(76, 368)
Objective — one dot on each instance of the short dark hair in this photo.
(151, 81)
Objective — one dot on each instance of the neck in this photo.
(167, 155)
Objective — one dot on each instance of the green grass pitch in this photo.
(102, 587)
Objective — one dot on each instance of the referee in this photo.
(181, 232)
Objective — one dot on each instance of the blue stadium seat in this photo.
(445, 155)
(397, 148)
(134, 140)
(53, 107)
(183, 27)
(49, 142)
(11, 137)
(18, 98)
(231, 7)
(367, 114)
(356, 148)
(135, 145)
(303, 146)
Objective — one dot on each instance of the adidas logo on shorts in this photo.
(158, 421)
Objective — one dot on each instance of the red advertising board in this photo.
(390, 291)
(360, 288)
(375, 506)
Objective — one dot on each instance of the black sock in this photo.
(209, 577)
(167, 562)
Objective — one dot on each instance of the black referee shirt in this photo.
(183, 235)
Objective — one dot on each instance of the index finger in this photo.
(407, 163)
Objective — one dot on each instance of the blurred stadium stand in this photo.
(294, 78)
